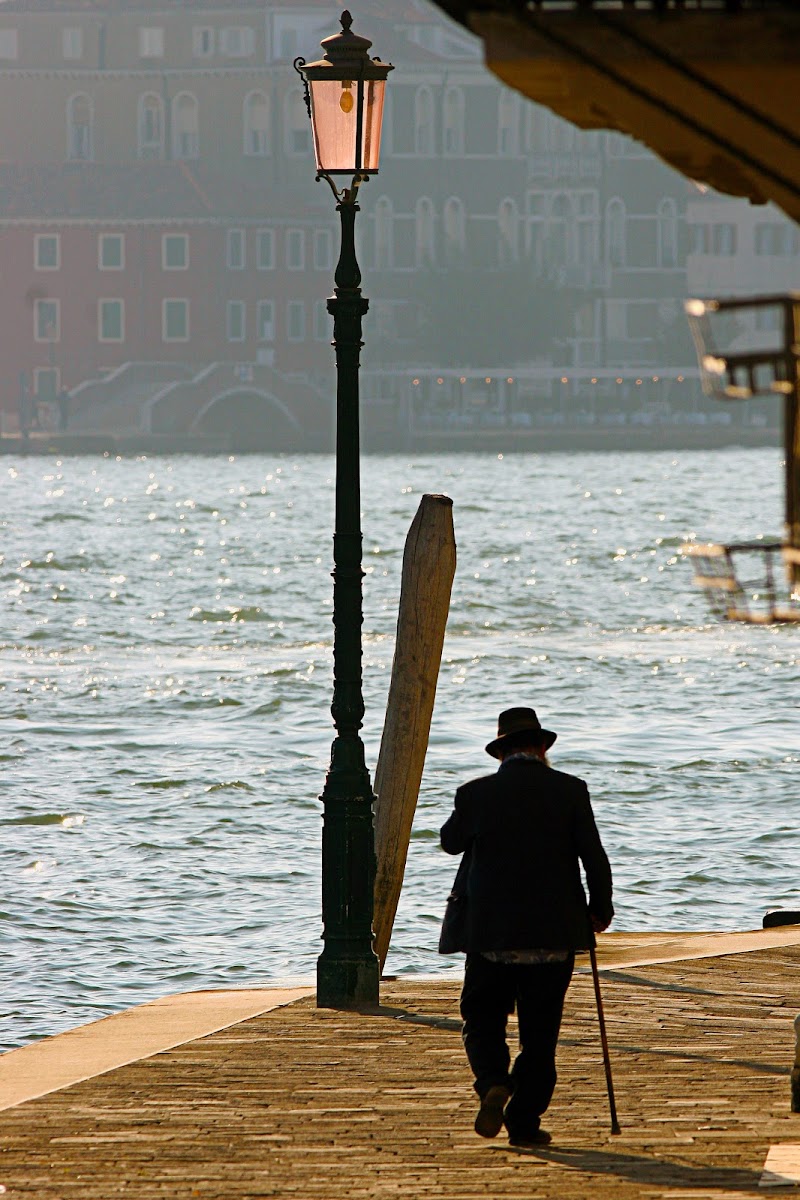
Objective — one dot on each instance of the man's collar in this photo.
(521, 756)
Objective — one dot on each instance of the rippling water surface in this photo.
(166, 674)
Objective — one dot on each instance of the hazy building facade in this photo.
(157, 204)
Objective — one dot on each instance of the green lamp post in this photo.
(344, 94)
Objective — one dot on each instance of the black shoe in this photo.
(489, 1120)
(540, 1138)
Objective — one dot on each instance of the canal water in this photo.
(165, 678)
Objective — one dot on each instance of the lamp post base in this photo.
(347, 982)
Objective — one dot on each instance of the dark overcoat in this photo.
(524, 832)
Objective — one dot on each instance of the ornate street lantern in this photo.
(344, 97)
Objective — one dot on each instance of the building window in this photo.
(615, 233)
(535, 246)
(256, 124)
(202, 41)
(9, 43)
(295, 320)
(616, 320)
(265, 249)
(507, 233)
(72, 42)
(265, 321)
(237, 41)
(295, 250)
(111, 320)
(560, 248)
(234, 254)
(151, 41)
(454, 229)
(298, 126)
(724, 236)
(587, 229)
(46, 382)
(236, 315)
(47, 252)
(667, 233)
(323, 250)
(772, 238)
(423, 122)
(185, 127)
(111, 251)
(79, 129)
(507, 123)
(151, 126)
(287, 43)
(425, 239)
(699, 239)
(174, 251)
(47, 320)
(453, 121)
(175, 320)
(384, 239)
(322, 321)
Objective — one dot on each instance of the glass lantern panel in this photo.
(334, 105)
(374, 90)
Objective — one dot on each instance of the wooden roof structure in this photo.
(711, 86)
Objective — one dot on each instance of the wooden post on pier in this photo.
(429, 564)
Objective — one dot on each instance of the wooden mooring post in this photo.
(429, 563)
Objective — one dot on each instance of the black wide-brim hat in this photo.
(516, 725)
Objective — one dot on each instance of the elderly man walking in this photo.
(519, 911)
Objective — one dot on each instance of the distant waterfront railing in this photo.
(746, 581)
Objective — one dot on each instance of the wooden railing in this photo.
(747, 581)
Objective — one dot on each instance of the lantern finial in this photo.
(346, 21)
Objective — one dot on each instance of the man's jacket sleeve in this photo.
(595, 861)
(454, 834)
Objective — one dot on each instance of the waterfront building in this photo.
(156, 207)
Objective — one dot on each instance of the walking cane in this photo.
(604, 1041)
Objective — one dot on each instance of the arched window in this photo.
(387, 126)
(384, 233)
(588, 220)
(426, 247)
(255, 123)
(536, 239)
(423, 122)
(80, 141)
(507, 233)
(560, 232)
(507, 123)
(297, 125)
(535, 128)
(454, 229)
(562, 136)
(453, 120)
(185, 126)
(151, 126)
(615, 233)
(667, 233)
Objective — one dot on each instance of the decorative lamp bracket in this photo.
(298, 64)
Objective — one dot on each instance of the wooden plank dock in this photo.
(226, 1095)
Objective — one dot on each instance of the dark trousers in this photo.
(491, 992)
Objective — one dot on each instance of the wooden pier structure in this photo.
(257, 1094)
